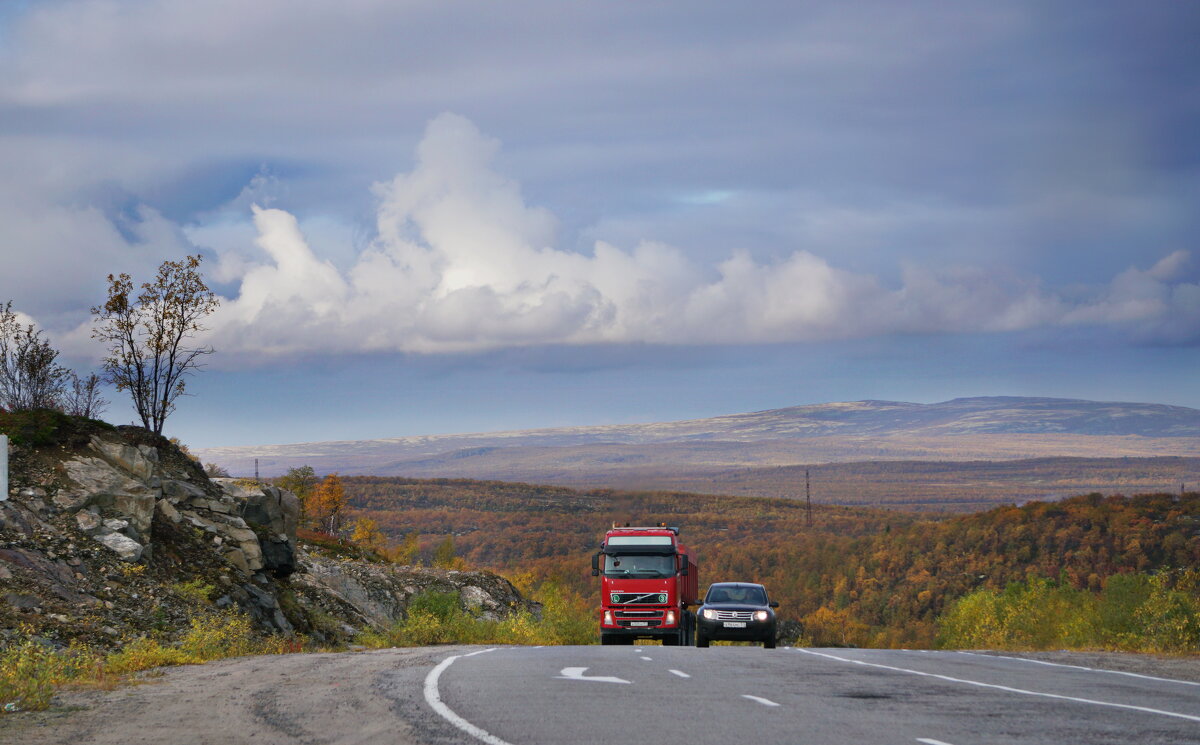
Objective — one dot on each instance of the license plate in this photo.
(645, 623)
(735, 624)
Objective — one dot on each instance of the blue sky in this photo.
(447, 216)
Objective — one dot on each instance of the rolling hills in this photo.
(1064, 444)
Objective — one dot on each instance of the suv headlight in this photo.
(761, 615)
(709, 613)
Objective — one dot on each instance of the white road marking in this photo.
(1089, 669)
(1010, 689)
(577, 673)
(680, 673)
(760, 699)
(648, 659)
(931, 741)
(434, 699)
(638, 651)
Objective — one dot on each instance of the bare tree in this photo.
(82, 397)
(147, 336)
(29, 376)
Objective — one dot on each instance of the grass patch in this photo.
(30, 672)
(43, 427)
(439, 618)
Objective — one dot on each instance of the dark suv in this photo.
(736, 611)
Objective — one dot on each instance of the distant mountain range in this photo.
(630, 455)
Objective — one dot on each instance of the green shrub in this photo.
(437, 618)
(30, 673)
(1134, 612)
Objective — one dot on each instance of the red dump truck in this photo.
(647, 583)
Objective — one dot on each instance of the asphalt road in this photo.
(856, 697)
(619, 695)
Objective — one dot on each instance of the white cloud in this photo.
(461, 263)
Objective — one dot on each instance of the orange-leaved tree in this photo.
(366, 533)
(326, 504)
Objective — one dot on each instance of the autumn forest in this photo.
(855, 576)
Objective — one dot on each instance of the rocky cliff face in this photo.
(110, 533)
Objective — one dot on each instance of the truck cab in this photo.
(648, 581)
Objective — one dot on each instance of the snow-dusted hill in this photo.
(991, 428)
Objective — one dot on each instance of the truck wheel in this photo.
(671, 641)
(701, 640)
(607, 639)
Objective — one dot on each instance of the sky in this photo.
(433, 217)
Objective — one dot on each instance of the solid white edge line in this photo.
(760, 699)
(680, 673)
(931, 741)
(1081, 667)
(434, 699)
(1010, 689)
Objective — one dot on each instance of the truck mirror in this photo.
(683, 564)
(595, 565)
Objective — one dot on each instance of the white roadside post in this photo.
(3, 467)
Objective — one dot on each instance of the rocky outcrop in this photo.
(117, 526)
(376, 595)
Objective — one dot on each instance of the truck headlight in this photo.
(761, 615)
(608, 619)
(670, 620)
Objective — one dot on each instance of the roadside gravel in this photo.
(356, 697)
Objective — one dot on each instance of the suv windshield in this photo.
(639, 566)
(735, 594)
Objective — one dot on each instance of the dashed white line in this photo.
(1089, 669)
(931, 741)
(434, 699)
(680, 673)
(1010, 689)
(648, 659)
(760, 699)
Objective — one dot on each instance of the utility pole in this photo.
(807, 501)
(256, 470)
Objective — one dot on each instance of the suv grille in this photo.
(735, 615)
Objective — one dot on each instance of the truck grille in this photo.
(643, 618)
(640, 598)
(735, 615)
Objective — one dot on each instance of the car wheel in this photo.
(701, 640)
(769, 643)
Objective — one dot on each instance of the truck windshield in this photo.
(639, 566)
